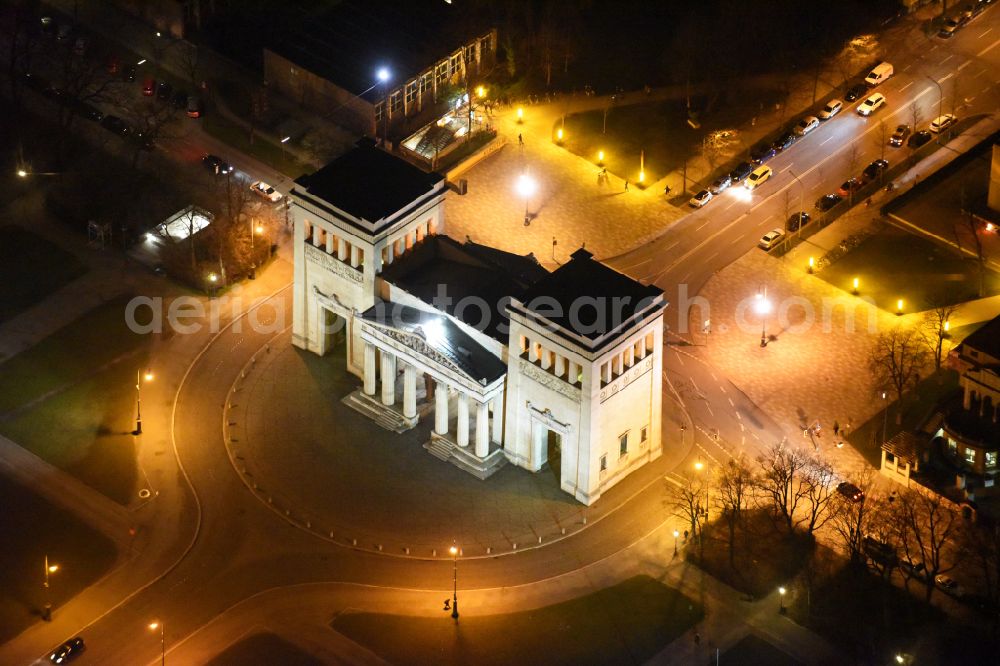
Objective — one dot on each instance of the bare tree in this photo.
(927, 526)
(968, 228)
(934, 328)
(687, 500)
(778, 484)
(818, 482)
(734, 483)
(914, 115)
(896, 359)
(152, 121)
(852, 521)
(982, 545)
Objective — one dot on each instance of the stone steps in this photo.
(377, 412)
(465, 457)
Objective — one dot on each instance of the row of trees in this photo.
(799, 491)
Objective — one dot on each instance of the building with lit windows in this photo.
(514, 364)
(330, 63)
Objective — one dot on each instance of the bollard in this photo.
(407, 550)
(488, 550)
(539, 539)
(309, 525)
(585, 520)
(331, 534)
(354, 542)
(564, 531)
(515, 546)
(269, 501)
(434, 552)
(380, 548)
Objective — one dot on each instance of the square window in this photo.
(952, 445)
(604, 463)
(644, 434)
(970, 456)
(991, 458)
(396, 101)
(379, 111)
(411, 92)
(623, 445)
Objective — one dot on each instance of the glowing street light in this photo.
(763, 307)
(382, 74)
(22, 173)
(520, 115)
(812, 264)
(781, 600)
(676, 535)
(480, 91)
(559, 135)
(213, 278)
(139, 378)
(947, 325)
(899, 306)
(600, 157)
(855, 286)
(526, 186)
(454, 597)
(699, 465)
(153, 626)
(49, 569)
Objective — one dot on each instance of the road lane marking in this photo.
(946, 78)
(906, 86)
(948, 58)
(729, 206)
(907, 67)
(988, 48)
(712, 256)
(964, 65)
(785, 169)
(731, 403)
(984, 90)
(825, 140)
(984, 33)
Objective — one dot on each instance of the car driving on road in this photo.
(265, 191)
(874, 102)
(899, 136)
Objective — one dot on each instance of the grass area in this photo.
(915, 407)
(262, 149)
(894, 264)
(264, 649)
(31, 268)
(765, 556)
(69, 355)
(754, 651)
(658, 128)
(32, 529)
(626, 623)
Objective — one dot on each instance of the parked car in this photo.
(180, 99)
(721, 184)
(784, 141)
(880, 74)
(215, 164)
(855, 92)
(873, 170)
(265, 191)
(163, 91)
(848, 186)
(740, 173)
(148, 87)
(115, 124)
(946, 583)
(949, 27)
(700, 199)
(851, 491)
(831, 109)
(770, 239)
(71, 649)
(915, 569)
(758, 177)
(899, 136)
(806, 125)
(828, 201)
(879, 551)
(128, 73)
(918, 139)
(193, 107)
(874, 102)
(941, 123)
(798, 220)
(762, 153)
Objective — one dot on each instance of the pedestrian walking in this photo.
(836, 428)
(520, 140)
(697, 638)
(626, 184)
(666, 190)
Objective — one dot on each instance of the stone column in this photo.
(546, 359)
(642, 347)
(498, 419)
(355, 255)
(482, 430)
(532, 351)
(463, 419)
(441, 409)
(388, 379)
(538, 444)
(560, 365)
(389, 256)
(329, 242)
(400, 246)
(409, 391)
(369, 369)
(573, 371)
(317, 234)
(341, 248)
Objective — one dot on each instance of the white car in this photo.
(263, 190)
(771, 238)
(700, 199)
(806, 125)
(831, 109)
(941, 123)
(873, 103)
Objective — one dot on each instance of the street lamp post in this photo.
(454, 597)
(781, 600)
(526, 187)
(798, 230)
(383, 77)
(940, 102)
(885, 413)
(676, 535)
(763, 307)
(153, 626)
(284, 140)
(139, 378)
(47, 609)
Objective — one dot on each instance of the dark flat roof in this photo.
(470, 275)
(369, 183)
(443, 335)
(579, 284)
(348, 43)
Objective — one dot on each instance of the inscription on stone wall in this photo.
(317, 256)
(531, 371)
(626, 378)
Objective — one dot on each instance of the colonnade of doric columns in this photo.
(336, 246)
(547, 359)
(465, 403)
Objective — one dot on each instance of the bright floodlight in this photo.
(53, 568)
(383, 74)
(433, 332)
(154, 625)
(762, 306)
(453, 550)
(782, 591)
(525, 185)
(148, 376)
(741, 193)
(22, 173)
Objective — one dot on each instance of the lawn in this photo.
(893, 264)
(263, 649)
(754, 651)
(267, 152)
(628, 623)
(32, 529)
(31, 268)
(661, 130)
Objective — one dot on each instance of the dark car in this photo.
(873, 170)
(899, 136)
(915, 569)
(128, 73)
(848, 186)
(919, 138)
(90, 113)
(721, 183)
(148, 87)
(180, 99)
(879, 551)
(215, 164)
(71, 649)
(193, 107)
(163, 91)
(740, 173)
(797, 220)
(828, 201)
(115, 124)
(762, 153)
(784, 141)
(856, 92)
(851, 491)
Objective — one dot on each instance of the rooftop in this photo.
(985, 339)
(444, 336)
(369, 183)
(588, 298)
(470, 276)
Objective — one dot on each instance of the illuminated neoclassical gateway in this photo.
(516, 364)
